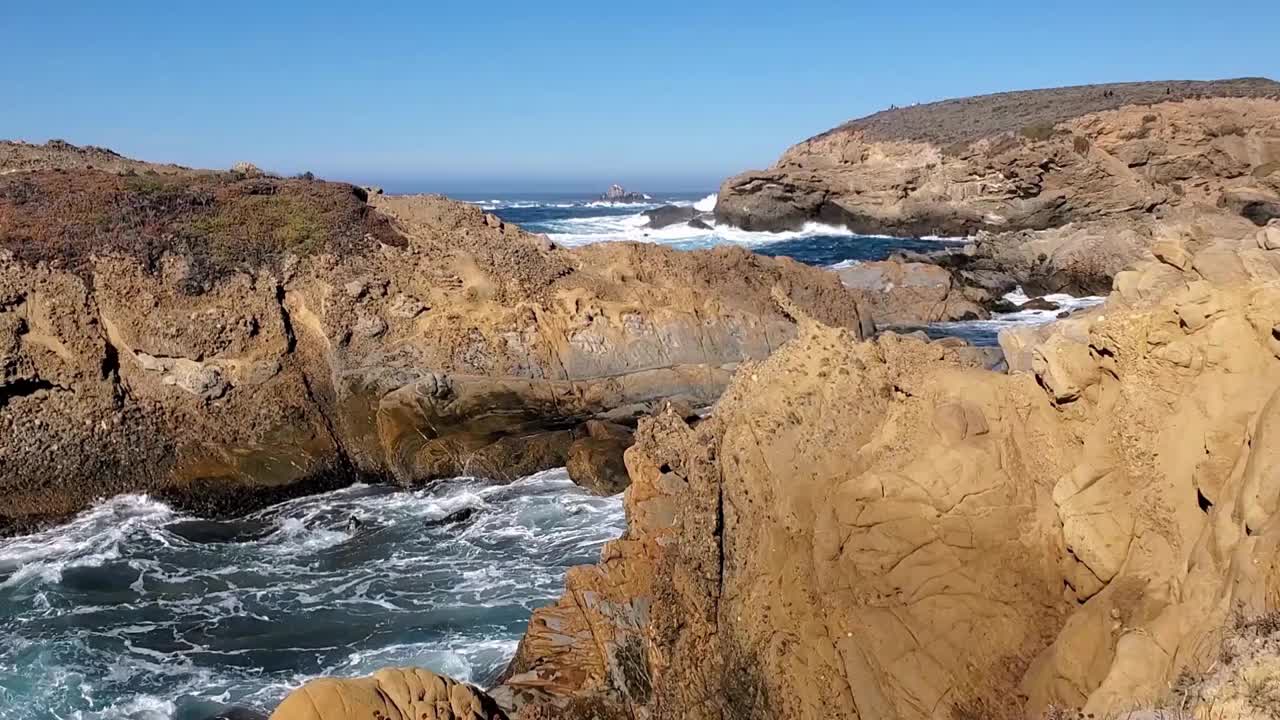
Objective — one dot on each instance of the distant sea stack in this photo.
(618, 194)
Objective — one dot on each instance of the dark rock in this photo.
(668, 215)
(457, 517)
(699, 224)
(616, 193)
(1038, 303)
(216, 531)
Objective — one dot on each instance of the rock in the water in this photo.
(699, 224)
(1038, 303)
(390, 694)
(619, 194)
(668, 215)
(457, 517)
(596, 461)
(215, 531)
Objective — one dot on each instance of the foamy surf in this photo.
(986, 332)
(133, 611)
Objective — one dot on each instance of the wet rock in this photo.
(221, 531)
(668, 215)
(457, 517)
(1038, 303)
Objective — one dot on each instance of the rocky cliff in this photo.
(879, 530)
(1084, 162)
(224, 340)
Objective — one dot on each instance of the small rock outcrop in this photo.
(619, 194)
(669, 215)
(390, 694)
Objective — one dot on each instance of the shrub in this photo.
(1038, 131)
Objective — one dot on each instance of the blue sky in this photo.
(504, 94)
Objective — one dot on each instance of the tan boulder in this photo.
(389, 694)
(596, 463)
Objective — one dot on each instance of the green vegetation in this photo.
(1039, 131)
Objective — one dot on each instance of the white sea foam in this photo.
(203, 623)
(987, 330)
(707, 204)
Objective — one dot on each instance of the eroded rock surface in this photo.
(879, 530)
(390, 694)
(224, 341)
(1095, 164)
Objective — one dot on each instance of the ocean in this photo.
(133, 611)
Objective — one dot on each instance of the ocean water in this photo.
(578, 220)
(133, 611)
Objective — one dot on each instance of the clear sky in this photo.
(518, 94)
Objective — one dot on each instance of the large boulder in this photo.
(668, 215)
(390, 694)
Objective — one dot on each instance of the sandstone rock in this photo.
(897, 292)
(1033, 171)
(1269, 236)
(391, 694)
(404, 306)
(877, 530)
(596, 461)
(1173, 252)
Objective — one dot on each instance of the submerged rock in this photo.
(616, 193)
(457, 517)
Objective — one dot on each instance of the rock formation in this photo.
(1095, 164)
(669, 215)
(894, 292)
(881, 530)
(225, 341)
(618, 194)
(390, 694)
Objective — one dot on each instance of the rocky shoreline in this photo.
(238, 339)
